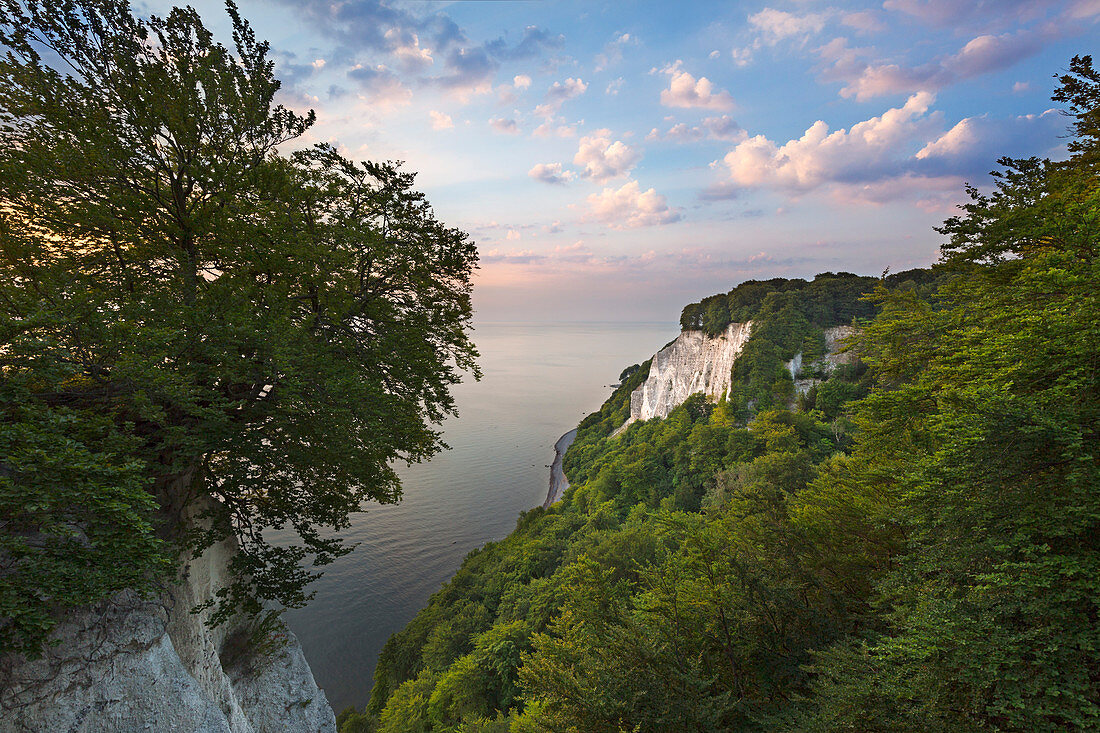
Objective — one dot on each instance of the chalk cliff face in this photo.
(835, 338)
(694, 362)
(135, 664)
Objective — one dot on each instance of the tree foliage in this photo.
(922, 557)
(223, 319)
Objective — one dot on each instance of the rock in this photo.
(135, 664)
(694, 362)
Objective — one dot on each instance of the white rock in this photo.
(133, 664)
(694, 362)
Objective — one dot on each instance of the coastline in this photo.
(558, 482)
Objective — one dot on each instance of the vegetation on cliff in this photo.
(188, 310)
(924, 558)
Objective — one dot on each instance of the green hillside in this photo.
(910, 547)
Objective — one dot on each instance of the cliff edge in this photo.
(694, 362)
(134, 664)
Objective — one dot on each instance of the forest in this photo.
(910, 546)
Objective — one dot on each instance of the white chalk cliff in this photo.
(694, 362)
(135, 664)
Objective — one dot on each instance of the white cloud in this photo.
(741, 56)
(613, 51)
(408, 52)
(504, 126)
(778, 25)
(551, 173)
(601, 159)
(684, 90)
(868, 151)
(976, 142)
(441, 121)
(558, 93)
(555, 127)
(521, 81)
(865, 21)
(711, 128)
(903, 152)
(953, 13)
(381, 85)
(629, 207)
(981, 55)
(614, 86)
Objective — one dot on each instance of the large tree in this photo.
(188, 312)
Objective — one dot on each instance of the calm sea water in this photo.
(539, 381)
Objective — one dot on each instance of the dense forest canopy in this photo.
(911, 546)
(188, 311)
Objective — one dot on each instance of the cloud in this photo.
(684, 90)
(408, 52)
(614, 86)
(555, 127)
(601, 159)
(613, 51)
(441, 121)
(741, 56)
(381, 85)
(534, 41)
(981, 55)
(865, 21)
(630, 207)
(952, 13)
(900, 153)
(469, 71)
(364, 24)
(558, 93)
(868, 151)
(504, 126)
(974, 143)
(521, 81)
(551, 173)
(779, 25)
(711, 128)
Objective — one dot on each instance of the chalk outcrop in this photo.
(136, 664)
(835, 356)
(694, 362)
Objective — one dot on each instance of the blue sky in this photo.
(615, 161)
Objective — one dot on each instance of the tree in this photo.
(266, 330)
(987, 438)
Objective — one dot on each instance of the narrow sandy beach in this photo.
(558, 482)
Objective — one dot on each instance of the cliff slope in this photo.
(134, 664)
(694, 362)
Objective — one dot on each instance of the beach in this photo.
(558, 482)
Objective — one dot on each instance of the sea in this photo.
(539, 380)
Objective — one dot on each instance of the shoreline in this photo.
(558, 482)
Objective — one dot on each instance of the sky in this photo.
(615, 161)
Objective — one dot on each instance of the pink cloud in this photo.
(504, 126)
(778, 25)
(684, 90)
(821, 156)
(601, 159)
(551, 173)
(629, 207)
